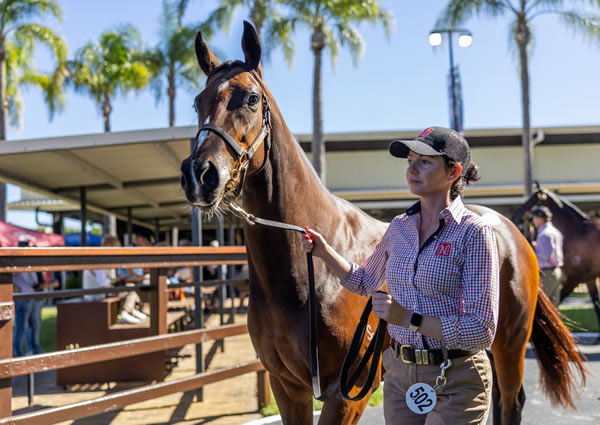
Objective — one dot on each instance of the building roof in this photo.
(141, 169)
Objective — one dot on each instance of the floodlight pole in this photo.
(450, 32)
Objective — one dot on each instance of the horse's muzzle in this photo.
(199, 180)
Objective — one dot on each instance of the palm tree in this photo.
(173, 59)
(116, 64)
(220, 18)
(522, 13)
(331, 25)
(19, 35)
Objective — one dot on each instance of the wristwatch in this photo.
(415, 321)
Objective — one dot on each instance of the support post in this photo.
(83, 214)
(7, 314)
(198, 311)
(158, 301)
(129, 241)
(263, 389)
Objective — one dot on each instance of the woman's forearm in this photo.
(337, 264)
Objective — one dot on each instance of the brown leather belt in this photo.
(410, 355)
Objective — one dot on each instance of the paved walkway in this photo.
(230, 402)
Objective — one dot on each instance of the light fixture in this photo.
(465, 40)
(435, 39)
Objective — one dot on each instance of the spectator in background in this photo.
(28, 312)
(24, 283)
(549, 251)
(129, 312)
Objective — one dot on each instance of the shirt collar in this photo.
(456, 210)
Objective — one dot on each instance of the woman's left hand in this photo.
(384, 307)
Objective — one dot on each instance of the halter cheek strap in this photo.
(244, 155)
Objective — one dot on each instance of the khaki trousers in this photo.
(465, 399)
(551, 279)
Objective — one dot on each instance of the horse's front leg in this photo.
(592, 286)
(337, 411)
(294, 401)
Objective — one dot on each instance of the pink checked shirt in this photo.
(455, 276)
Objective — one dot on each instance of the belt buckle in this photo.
(421, 356)
(404, 359)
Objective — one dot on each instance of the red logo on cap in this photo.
(425, 132)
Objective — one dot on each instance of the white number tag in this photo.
(421, 398)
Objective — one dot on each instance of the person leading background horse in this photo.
(581, 245)
(549, 251)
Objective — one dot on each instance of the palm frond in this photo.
(279, 31)
(332, 43)
(459, 11)
(16, 12)
(351, 38)
(43, 35)
(583, 23)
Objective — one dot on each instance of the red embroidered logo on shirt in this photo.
(444, 249)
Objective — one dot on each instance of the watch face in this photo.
(416, 319)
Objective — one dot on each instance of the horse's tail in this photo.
(556, 352)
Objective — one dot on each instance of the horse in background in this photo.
(278, 183)
(581, 244)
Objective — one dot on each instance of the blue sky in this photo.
(398, 84)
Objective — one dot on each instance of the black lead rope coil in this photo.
(373, 352)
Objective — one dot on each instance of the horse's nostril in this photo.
(200, 169)
(208, 176)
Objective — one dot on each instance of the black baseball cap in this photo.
(542, 211)
(435, 141)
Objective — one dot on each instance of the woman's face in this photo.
(428, 175)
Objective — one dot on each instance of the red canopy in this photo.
(10, 235)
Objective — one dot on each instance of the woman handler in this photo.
(440, 262)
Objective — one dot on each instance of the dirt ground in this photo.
(228, 402)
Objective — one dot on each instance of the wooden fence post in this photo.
(158, 301)
(7, 314)
(263, 388)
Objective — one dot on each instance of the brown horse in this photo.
(581, 244)
(235, 111)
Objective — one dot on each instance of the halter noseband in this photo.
(244, 155)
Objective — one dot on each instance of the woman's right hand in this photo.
(314, 242)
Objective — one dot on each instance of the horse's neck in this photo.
(288, 184)
(565, 219)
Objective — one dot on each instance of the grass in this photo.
(580, 319)
(48, 329)
(272, 409)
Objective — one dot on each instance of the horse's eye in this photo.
(253, 100)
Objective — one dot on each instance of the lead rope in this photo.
(312, 305)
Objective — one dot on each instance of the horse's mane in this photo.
(568, 205)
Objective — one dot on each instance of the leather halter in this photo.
(244, 155)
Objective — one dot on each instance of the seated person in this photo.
(130, 312)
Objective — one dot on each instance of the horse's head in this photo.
(540, 196)
(234, 125)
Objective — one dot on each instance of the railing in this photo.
(158, 260)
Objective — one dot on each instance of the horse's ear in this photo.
(251, 47)
(207, 61)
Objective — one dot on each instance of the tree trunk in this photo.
(318, 146)
(106, 110)
(171, 94)
(523, 36)
(3, 120)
